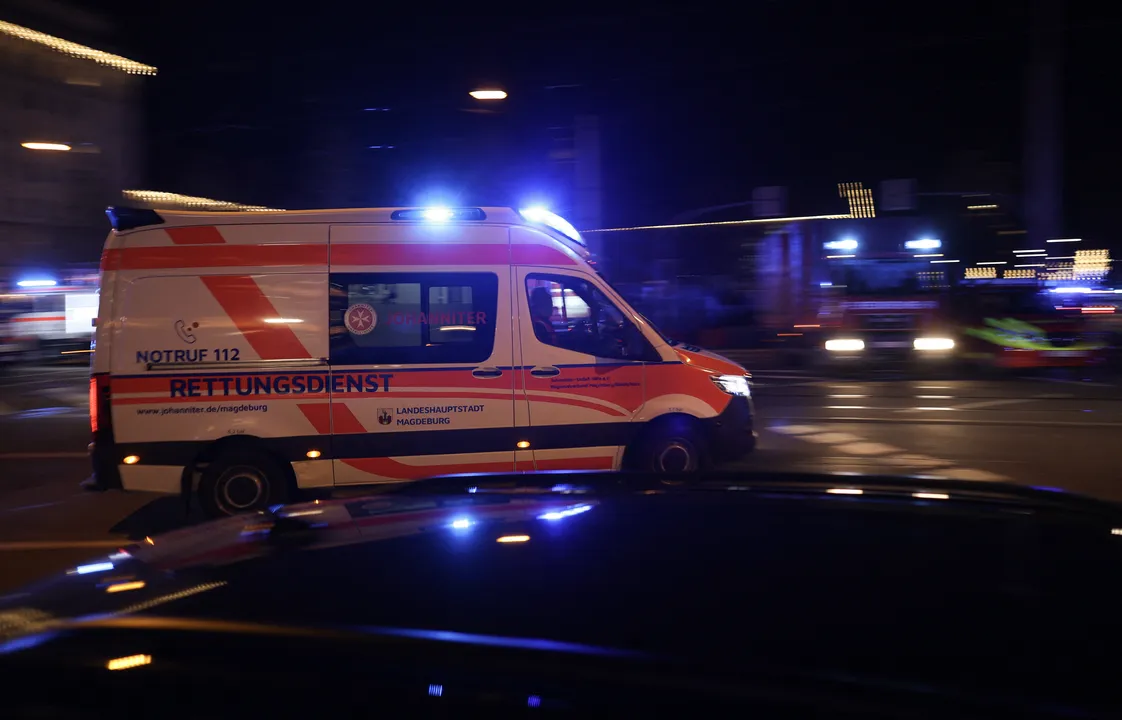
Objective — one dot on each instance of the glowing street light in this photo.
(488, 94)
(53, 147)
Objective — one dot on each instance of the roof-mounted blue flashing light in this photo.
(553, 221)
(439, 214)
(127, 218)
(847, 243)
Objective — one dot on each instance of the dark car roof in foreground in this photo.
(876, 576)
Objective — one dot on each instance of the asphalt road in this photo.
(1056, 431)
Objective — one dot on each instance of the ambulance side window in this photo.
(571, 313)
(412, 318)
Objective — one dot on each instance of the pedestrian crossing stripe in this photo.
(887, 454)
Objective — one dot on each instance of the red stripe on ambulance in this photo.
(248, 307)
(199, 235)
(178, 257)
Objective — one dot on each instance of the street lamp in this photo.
(488, 94)
(53, 147)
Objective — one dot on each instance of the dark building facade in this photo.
(69, 136)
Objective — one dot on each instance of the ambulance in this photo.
(241, 358)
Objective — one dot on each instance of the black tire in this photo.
(672, 449)
(241, 482)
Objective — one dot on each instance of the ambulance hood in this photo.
(706, 360)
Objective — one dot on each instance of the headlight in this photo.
(846, 345)
(733, 384)
(933, 343)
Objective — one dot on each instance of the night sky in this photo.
(698, 107)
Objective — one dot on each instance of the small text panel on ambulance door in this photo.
(582, 368)
(431, 385)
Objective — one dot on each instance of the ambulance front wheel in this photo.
(241, 482)
(672, 448)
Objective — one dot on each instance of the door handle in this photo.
(545, 372)
(486, 372)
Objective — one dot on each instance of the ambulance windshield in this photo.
(886, 277)
(646, 320)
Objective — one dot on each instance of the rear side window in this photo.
(412, 318)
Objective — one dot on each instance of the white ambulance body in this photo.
(248, 355)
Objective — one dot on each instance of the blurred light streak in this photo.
(758, 221)
(73, 49)
(171, 200)
(129, 661)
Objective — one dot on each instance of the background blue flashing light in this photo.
(95, 567)
(34, 283)
(924, 244)
(565, 512)
(553, 221)
(461, 523)
(843, 244)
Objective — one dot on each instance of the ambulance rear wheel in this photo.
(240, 482)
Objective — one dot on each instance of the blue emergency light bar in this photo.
(843, 244)
(127, 218)
(439, 214)
(923, 244)
(554, 222)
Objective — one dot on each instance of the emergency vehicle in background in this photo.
(884, 309)
(916, 308)
(244, 356)
(1019, 323)
(45, 319)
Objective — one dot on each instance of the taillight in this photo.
(99, 399)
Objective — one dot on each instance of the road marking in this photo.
(796, 429)
(832, 438)
(919, 461)
(867, 448)
(958, 473)
(44, 456)
(992, 403)
(70, 397)
(888, 454)
(60, 544)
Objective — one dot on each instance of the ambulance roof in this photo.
(124, 219)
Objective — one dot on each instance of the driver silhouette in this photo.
(541, 312)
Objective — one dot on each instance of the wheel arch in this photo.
(229, 444)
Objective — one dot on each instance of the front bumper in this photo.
(732, 434)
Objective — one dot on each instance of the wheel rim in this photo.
(241, 488)
(676, 456)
